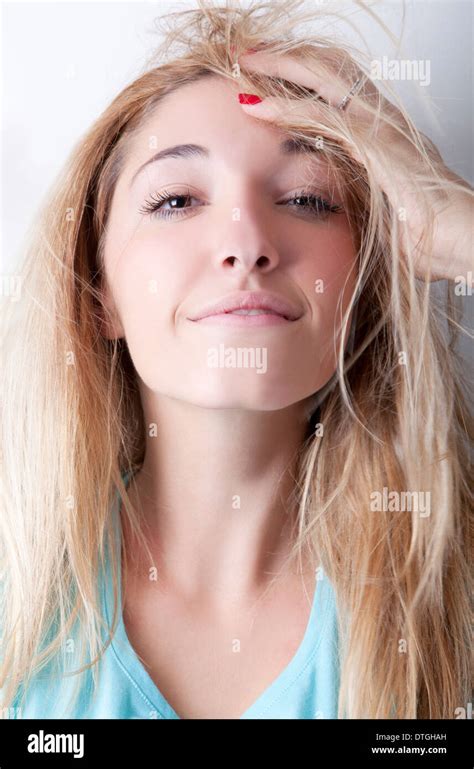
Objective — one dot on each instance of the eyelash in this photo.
(153, 206)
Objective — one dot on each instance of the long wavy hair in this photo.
(396, 418)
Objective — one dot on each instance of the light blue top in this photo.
(306, 688)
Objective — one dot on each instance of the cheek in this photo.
(148, 277)
(329, 272)
(328, 275)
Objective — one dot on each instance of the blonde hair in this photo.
(72, 421)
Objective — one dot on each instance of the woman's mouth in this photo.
(245, 318)
(247, 309)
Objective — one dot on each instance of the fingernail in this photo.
(249, 98)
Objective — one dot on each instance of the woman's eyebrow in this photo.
(287, 147)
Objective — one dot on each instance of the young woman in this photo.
(234, 428)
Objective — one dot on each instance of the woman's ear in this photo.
(110, 325)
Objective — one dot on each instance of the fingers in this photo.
(274, 108)
(281, 66)
(268, 109)
(332, 88)
(342, 73)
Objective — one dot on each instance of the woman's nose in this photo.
(247, 262)
(249, 240)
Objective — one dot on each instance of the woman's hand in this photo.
(393, 160)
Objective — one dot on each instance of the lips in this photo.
(249, 304)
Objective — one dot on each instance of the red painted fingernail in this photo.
(249, 98)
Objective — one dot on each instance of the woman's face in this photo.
(244, 224)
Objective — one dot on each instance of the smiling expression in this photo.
(230, 208)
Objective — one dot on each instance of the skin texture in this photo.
(223, 434)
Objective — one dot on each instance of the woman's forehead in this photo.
(207, 111)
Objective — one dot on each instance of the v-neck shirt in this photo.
(306, 688)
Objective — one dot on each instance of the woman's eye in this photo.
(315, 205)
(155, 205)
